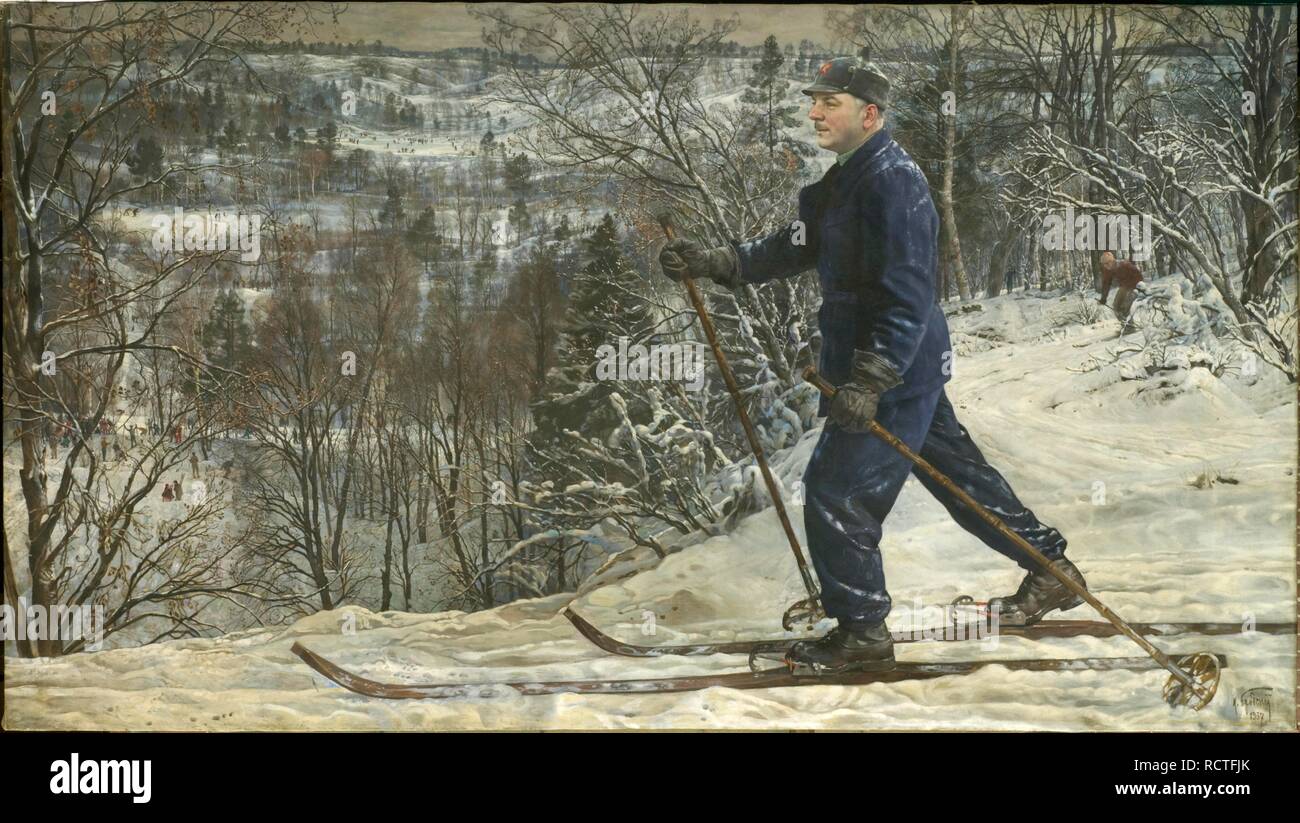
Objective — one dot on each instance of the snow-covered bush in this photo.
(1183, 311)
(1084, 311)
(643, 476)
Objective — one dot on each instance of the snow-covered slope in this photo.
(1154, 543)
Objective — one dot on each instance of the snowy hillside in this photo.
(1161, 540)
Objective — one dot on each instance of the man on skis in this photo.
(872, 234)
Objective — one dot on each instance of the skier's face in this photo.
(842, 121)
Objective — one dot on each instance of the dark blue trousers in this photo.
(852, 481)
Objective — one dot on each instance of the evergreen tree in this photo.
(207, 109)
(485, 271)
(423, 237)
(226, 333)
(230, 135)
(392, 213)
(603, 306)
(327, 138)
(519, 218)
(487, 160)
(608, 451)
(765, 92)
(563, 230)
(518, 174)
(146, 160)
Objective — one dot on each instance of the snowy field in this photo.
(1156, 548)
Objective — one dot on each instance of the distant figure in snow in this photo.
(194, 465)
(167, 493)
(1127, 275)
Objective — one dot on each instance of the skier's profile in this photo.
(872, 235)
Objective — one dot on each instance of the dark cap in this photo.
(852, 75)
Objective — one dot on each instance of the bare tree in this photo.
(288, 540)
(1247, 96)
(1181, 151)
(79, 85)
(624, 99)
(1079, 71)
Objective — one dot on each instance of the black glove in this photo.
(684, 258)
(855, 403)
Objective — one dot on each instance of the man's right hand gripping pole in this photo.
(682, 258)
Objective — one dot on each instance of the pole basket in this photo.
(1204, 671)
(803, 615)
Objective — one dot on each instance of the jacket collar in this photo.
(864, 155)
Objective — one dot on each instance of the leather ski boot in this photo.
(1039, 593)
(843, 649)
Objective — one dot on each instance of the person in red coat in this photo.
(1126, 275)
(167, 492)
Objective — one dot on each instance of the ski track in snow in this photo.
(1158, 549)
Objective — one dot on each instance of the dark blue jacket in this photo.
(873, 235)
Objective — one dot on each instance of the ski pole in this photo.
(809, 610)
(1201, 682)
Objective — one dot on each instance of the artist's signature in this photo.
(1255, 706)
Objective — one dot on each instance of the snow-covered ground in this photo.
(1111, 462)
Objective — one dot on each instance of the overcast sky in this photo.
(431, 26)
